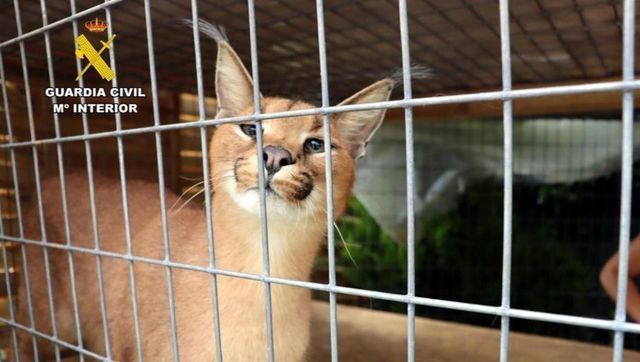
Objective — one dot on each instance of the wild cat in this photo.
(294, 158)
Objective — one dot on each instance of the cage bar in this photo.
(63, 188)
(505, 40)
(266, 268)
(627, 174)
(5, 259)
(415, 102)
(605, 324)
(7, 280)
(22, 37)
(163, 209)
(328, 167)
(410, 170)
(206, 178)
(36, 170)
(58, 342)
(14, 174)
(92, 202)
(123, 190)
(626, 86)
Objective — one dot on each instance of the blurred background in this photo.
(567, 149)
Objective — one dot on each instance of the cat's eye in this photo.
(249, 129)
(314, 145)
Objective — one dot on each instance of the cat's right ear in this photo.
(234, 87)
(357, 127)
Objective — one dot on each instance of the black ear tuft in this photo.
(418, 71)
(213, 31)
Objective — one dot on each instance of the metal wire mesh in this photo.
(551, 41)
(592, 59)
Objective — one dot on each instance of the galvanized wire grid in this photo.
(626, 86)
(552, 41)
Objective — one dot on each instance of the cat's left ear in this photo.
(234, 86)
(357, 128)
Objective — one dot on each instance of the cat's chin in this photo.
(277, 206)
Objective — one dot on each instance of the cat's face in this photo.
(294, 159)
(294, 149)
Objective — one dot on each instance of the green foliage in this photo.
(370, 259)
(460, 256)
(466, 247)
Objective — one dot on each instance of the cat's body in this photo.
(241, 302)
(294, 160)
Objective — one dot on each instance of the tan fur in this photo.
(297, 226)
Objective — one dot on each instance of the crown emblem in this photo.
(96, 25)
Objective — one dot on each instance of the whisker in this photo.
(184, 193)
(335, 225)
(189, 200)
(346, 246)
(222, 158)
(190, 178)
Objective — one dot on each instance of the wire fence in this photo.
(626, 86)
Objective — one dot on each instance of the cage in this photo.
(499, 184)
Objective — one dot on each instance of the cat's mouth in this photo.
(292, 186)
(267, 189)
(294, 194)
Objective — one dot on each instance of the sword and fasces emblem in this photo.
(86, 50)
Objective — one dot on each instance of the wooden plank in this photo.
(374, 336)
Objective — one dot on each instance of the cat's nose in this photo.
(275, 158)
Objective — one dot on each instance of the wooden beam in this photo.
(376, 336)
(572, 104)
